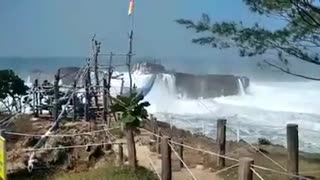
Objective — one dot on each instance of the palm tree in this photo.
(133, 113)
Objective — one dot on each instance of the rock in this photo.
(60, 156)
(208, 86)
(34, 119)
(30, 141)
(16, 167)
(96, 153)
(68, 74)
(200, 167)
(40, 75)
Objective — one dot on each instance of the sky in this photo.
(45, 28)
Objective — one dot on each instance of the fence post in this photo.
(180, 151)
(245, 172)
(293, 150)
(158, 146)
(166, 172)
(120, 154)
(221, 141)
(153, 138)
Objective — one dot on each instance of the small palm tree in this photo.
(133, 113)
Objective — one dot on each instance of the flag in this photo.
(131, 7)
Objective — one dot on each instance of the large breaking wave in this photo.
(262, 111)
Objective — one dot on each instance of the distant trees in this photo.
(11, 86)
(298, 39)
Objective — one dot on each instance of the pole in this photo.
(74, 102)
(180, 151)
(105, 106)
(56, 96)
(245, 172)
(293, 150)
(166, 172)
(108, 98)
(129, 59)
(96, 73)
(87, 102)
(122, 85)
(158, 146)
(221, 141)
(36, 97)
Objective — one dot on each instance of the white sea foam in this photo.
(262, 111)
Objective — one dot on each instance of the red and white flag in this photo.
(131, 7)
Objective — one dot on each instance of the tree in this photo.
(11, 86)
(133, 113)
(298, 39)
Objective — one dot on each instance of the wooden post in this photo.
(245, 172)
(221, 141)
(36, 97)
(40, 102)
(108, 97)
(180, 151)
(154, 127)
(166, 172)
(74, 102)
(293, 150)
(158, 146)
(122, 85)
(105, 106)
(56, 96)
(153, 137)
(120, 160)
(131, 148)
(86, 104)
(96, 73)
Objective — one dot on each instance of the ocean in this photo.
(272, 100)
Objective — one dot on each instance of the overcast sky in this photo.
(65, 27)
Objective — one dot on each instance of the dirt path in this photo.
(145, 157)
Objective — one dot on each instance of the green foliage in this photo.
(11, 85)
(299, 38)
(111, 173)
(133, 110)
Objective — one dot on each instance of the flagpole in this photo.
(131, 21)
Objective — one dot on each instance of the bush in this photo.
(264, 141)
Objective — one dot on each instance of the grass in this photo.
(111, 173)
